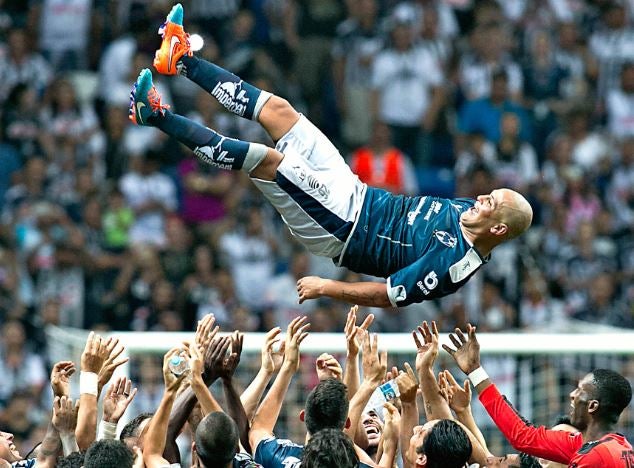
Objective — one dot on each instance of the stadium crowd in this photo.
(109, 226)
(346, 425)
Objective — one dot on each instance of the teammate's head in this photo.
(601, 395)
(513, 460)
(373, 430)
(72, 460)
(439, 443)
(133, 433)
(326, 407)
(8, 451)
(499, 216)
(217, 440)
(108, 453)
(329, 447)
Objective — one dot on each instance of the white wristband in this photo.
(478, 376)
(88, 383)
(107, 430)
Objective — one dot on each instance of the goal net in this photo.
(537, 372)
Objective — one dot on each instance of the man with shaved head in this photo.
(426, 247)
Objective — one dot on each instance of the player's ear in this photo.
(499, 229)
(348, 423)
(593, 406)
(302, 416)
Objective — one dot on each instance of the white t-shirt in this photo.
(403, 80)
(620, 108)
(65, 24)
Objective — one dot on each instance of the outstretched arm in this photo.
(362, 293)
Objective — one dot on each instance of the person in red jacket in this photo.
(595, 407)
(380, 164)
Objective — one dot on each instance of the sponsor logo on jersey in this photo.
(434, 208)
(412, 215)
(429, 283)
(231, 95)
(215, 155)
(291, 462)
(447, 239)
(457, 207)
(312, 181)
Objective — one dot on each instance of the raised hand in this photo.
(206, 332)
(172, 382)
(225, 366)
(296, 332)
(427, 351)
(117, 399)
(65, 415)
(60, 378)
(392, 426)
(352, 330)
(114, 350)
(328, 367)
(272, 360)
(407, 384)
(458, 397)
(309, 287)
(467, 352)
(95, 353)
(214, 358)
(196, 361)
(374, 364)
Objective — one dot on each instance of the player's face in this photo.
(8, 451)
(484, 211)
(580, 399)
(415, 455)
(373, 427)
(509, 460)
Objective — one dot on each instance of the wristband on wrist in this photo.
(88, 383)
(107, 430)
(478, 376)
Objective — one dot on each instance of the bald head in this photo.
(515, 212)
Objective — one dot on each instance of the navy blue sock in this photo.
(210, 147)
(235, 95)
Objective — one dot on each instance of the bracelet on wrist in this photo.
(88, 383)
(478, 376)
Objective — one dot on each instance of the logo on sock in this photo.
(215, 156)
(231, 95)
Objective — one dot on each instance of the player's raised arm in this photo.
(363, 293)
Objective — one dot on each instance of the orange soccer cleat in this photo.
(175, 43)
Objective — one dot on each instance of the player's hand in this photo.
(392, 426)
(272, 360)
(225, 366)
(172, 382)
(351, 330)
(296, 332)
(310, 287)
(458, 397)
(373, 363)
(117, 399)
(113, 361)
(214, 358)
(60, 378)
(65, 415)
(328, 367)
(467, 352)
(407, 384)
(95, 354)
(427, 351)
(205, 332)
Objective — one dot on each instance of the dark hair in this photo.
(613, 392)
(132, 428)
(447, 445)
(327, 406)
(108, 453)
(217, 439)
(528, 461)
(72, 460)
(329, 447)
(499, 74)
(563, 419)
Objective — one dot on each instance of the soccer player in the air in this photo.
(426, 247)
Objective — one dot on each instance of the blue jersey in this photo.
(281, 453)
(415, 242)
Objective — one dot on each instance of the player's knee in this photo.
(280, 108)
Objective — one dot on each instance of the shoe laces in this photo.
(154, 98)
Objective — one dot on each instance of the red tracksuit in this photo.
(610, 451)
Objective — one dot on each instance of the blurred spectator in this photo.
(355, 48)
(407, 83)
(379, 164)
(620, 104)
(20, 65)
(152, 195)
(621, 190)
(485, 115)
(516, 162)
(23, 370)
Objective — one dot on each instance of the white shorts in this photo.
(315, 191)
